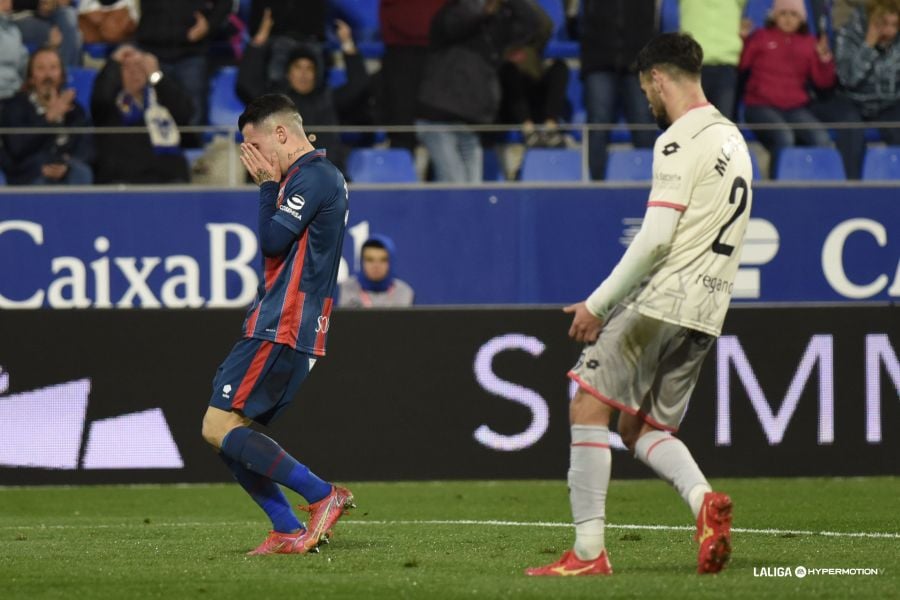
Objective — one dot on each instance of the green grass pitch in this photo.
(445, 540)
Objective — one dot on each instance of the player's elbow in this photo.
(270, 249)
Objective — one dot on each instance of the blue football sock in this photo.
(267, 494)
(262, 455)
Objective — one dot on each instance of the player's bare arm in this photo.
(258, 166)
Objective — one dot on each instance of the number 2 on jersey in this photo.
(739, 185)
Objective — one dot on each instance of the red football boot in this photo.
(325, 513)
(570, 565)
(714, 533)
(283, 543)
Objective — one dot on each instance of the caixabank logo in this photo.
(45, 429)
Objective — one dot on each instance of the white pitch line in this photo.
(487, 523)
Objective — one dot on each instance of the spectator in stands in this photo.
(131, 90)
(52, 158)
(107, 21)
(461, 84)
(781, 60)
(867, 53)
(304, 83)
(533, 93)
(13, 54)
(612, 33)
(717, 26)
(376, 285)
(52, 23)
(177, 33)
(294, 23)
(404, 28)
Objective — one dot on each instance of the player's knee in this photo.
(587, 410)
(211, 432)
(629, 430)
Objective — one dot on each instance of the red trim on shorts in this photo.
(252, 375)
(657, 443)
(678, 207)
(618, 405)
(592, 444)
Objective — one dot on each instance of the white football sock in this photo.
(590, 463)
(672, 461)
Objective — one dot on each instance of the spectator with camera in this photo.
(46, 158)
(132, 91)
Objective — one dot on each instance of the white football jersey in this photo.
(701, 167)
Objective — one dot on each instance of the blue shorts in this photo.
(259, 379)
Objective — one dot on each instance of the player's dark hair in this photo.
(672, 51)
(263, 107)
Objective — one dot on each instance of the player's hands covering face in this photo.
(261, 169)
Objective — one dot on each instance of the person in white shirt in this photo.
(649, 325)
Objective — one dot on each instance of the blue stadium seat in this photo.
(559, 46)
(361, 16)
(99, 50)
(82, 79)
(757, 11)
(881, 163)
(224, 105)
(335, 78)
(492, 169)
(546, 164)
(373, 165)
(669, 18)
(810, 164)
(630, 165)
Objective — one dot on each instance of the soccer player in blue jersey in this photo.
(303, 212)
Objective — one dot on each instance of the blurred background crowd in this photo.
(460, 91)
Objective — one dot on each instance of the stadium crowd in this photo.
(425, 79)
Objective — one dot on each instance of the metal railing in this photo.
(503, 136)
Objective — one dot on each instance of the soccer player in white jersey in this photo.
(649, 325)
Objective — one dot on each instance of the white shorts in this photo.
(643, 366)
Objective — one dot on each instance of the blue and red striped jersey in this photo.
(293, 306)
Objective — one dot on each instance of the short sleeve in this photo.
(674, 172)
(300, 202)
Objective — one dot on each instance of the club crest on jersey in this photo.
(226, 390)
